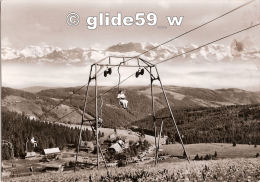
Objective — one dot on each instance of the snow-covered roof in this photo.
(116, 147)
(51, 151)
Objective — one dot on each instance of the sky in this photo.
(30, 22)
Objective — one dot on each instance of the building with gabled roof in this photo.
(50, 151)
(117, 147)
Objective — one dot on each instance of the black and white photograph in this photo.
(128, 90)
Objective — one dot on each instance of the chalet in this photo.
(117, 147)
(52, 153)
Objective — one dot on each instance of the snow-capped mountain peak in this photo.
(74, 55)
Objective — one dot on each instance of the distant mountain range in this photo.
(35, 89)
(238, 50)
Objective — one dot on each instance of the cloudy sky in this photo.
(30, 22)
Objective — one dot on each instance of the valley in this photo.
(37, 103)
(216, 125)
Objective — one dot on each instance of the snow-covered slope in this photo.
(238, 50)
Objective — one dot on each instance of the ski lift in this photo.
(139, 72)
(108, 71)
(122, 99)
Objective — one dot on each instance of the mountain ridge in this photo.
(35, 104)
(237, 50)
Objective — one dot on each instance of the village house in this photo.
(51, 153)
(117, 147)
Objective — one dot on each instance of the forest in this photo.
(18, 128)
(227, 124)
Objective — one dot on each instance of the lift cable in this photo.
(221, 38)
(191, 30)
(210, 21)
(182, 54)
(178, 55)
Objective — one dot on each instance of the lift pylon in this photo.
(154, 76)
